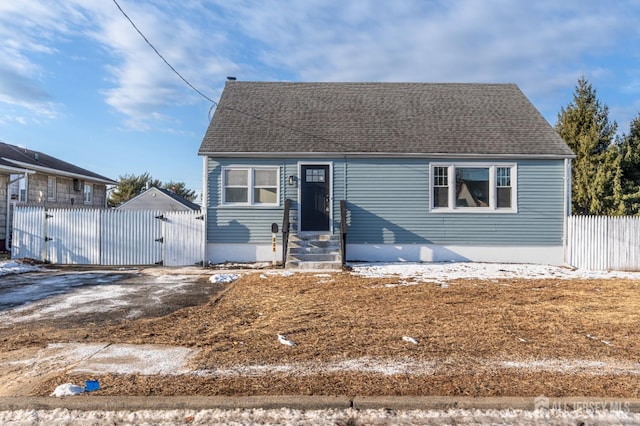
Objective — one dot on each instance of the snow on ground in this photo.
(104, 358)
(60, 295)
(407, 366)
(286, 416)
(145, 360)
(223, 278)
(13, 267)
(447, 271)
(268, 274)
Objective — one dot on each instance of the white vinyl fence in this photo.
(108, 237)
(604, 242)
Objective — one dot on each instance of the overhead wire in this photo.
(214, 103)
(160, 55)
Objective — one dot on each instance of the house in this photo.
(33, 178)
(427, 172)
(159, 199)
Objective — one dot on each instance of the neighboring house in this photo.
(429, 172)
(158, 199)
(32, 178)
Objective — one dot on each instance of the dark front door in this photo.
(315, 203)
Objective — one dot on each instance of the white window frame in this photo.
(251, 186)
(52, 189)
(493, 192)
(22, 185)
(89, 199)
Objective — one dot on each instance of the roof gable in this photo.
(155, 198)
(379, 118)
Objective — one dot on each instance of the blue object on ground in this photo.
(92, 385)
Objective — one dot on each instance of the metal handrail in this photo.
(285, 230)
(343, 230)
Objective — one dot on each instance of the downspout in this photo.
(6, 232)
(566, 208)
(204, 208)
(8, 222)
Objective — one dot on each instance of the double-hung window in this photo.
(88, 193)
(18, 187)
(51, 188)
(251, 186)
(473, 187)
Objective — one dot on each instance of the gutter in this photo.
(434, 155)
(63, 173)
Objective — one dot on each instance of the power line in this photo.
(256, 117)
(162, 57)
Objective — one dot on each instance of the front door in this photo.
(315, 198)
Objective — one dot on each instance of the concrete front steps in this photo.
(314, 251)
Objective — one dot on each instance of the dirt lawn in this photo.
(372, 336)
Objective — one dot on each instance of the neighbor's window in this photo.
(473, 187)
(88, 193)
(256, 186)
(51, 188)
(18, 187)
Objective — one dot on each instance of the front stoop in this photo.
(314, 251)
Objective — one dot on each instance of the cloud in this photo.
(143, 84)
(543, 46)
(138, 84)
(24, 31)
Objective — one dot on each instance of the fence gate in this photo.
(108, 237)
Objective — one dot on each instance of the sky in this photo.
(79, 83)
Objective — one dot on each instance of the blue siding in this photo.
(240, 224)
(253, 224)
(388, 202)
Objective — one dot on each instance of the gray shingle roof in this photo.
(374, 118)
(25, 158)
(180, 199)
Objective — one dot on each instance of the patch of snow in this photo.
(286, 273)
(13, 267)
(103, 358)
(441, 272)
(145, 360)
(239, 265)
(67, 389)
(416, 367)
(332, 416)
(582, 366)
(368, 365)
(223, 278)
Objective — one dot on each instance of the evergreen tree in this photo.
(129, 186)
(180, 188)
(585, 127)
(629, 148)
